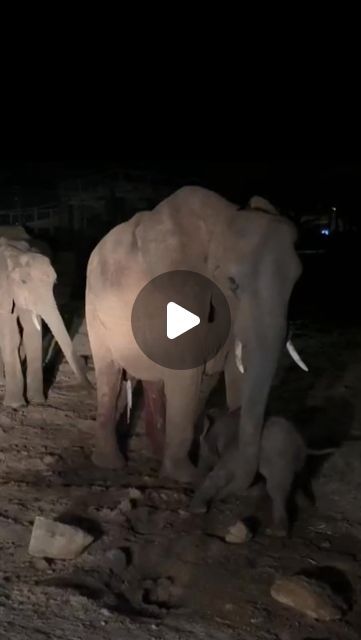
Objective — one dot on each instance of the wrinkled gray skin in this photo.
(250, 255)
(283, 455)
(26, 294)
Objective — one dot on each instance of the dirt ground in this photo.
(154, 570)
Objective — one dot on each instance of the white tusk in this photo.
(238, 352)
(36, 321)
(293, 353)
(50, 351)
(129, 398)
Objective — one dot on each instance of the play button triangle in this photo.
(179, 320)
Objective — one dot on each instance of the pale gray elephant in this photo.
(250, 255)
(26, 296)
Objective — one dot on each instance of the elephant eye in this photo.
(233, 284)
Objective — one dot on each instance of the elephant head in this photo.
(27, 279)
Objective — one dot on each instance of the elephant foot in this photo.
(180, 470)
(36, 398)
(108, 459)
(277, 532)
(14, 403)
(278, 528)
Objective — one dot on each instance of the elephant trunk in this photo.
(53, 319)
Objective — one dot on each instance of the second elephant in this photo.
(26, 295)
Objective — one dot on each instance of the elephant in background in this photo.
(26, 296)
(250, 255)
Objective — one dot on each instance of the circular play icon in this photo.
(181, 319)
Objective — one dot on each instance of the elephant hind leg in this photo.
(278, 489)
(182, 389)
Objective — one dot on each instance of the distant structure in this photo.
(257, 202)
(93, 203)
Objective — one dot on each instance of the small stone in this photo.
(50, 459)
(163, 593)
(5, 421)
(145, 520)
(40, 564)
(125, 505)
(311, 597)
(50, 539)
(116, 560)
(134, 494)
(325, 544)
(238, 533)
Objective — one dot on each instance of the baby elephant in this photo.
(283, 454)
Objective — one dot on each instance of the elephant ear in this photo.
(257, 202)
(6, 296)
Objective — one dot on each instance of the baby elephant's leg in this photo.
(279, 484)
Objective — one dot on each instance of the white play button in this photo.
(179, 320)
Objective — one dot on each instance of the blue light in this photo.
(325, 231)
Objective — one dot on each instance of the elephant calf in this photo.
(283, 454)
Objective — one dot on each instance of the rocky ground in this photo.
(156, 571)
(153, 569)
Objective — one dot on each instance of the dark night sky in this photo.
(289, 185)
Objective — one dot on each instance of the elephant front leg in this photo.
(2, 370)
(110, 405)
(262, 334)
(33, 345)
(14, 392)
(182, 390)
(111, 399)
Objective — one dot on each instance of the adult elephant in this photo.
(250, 255)
(26, 296)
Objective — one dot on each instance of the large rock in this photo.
(50, 539)
(311, 597)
